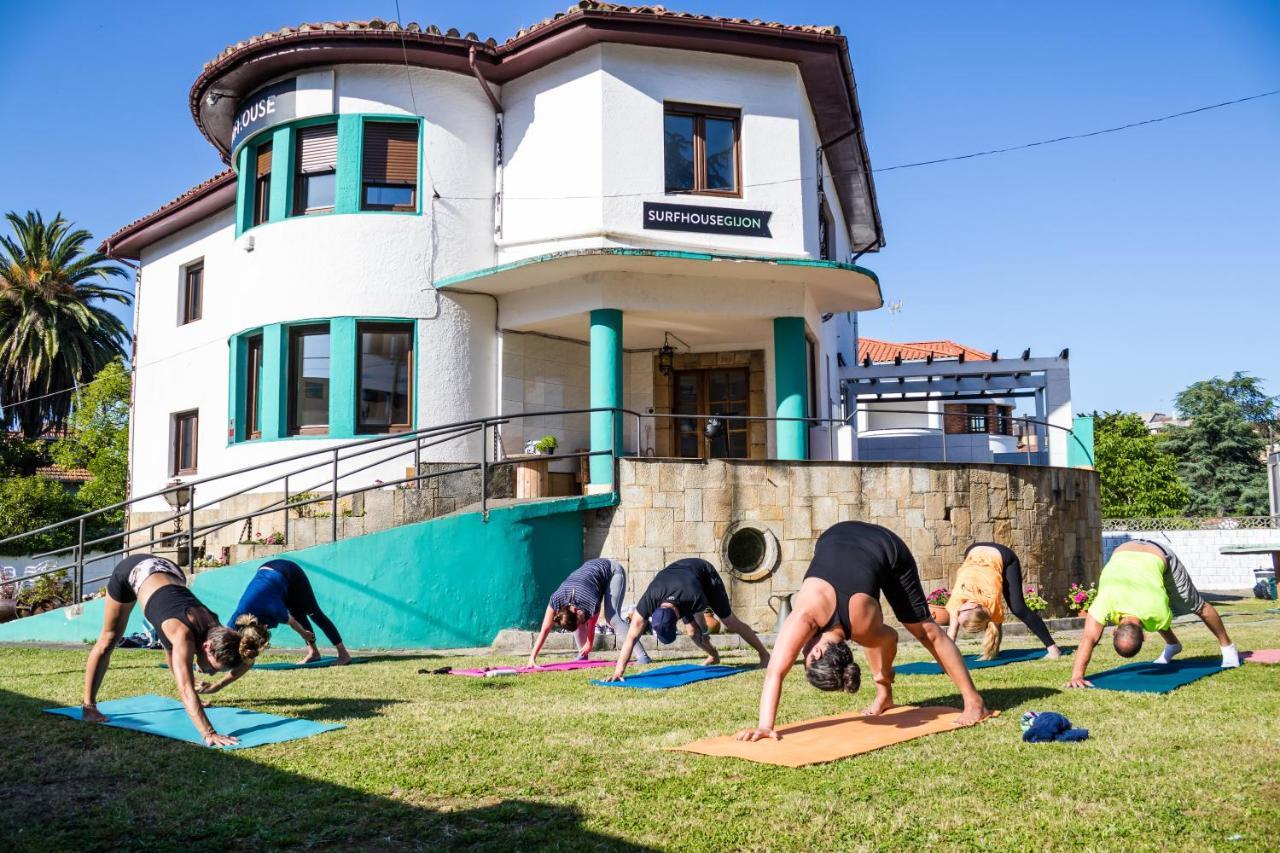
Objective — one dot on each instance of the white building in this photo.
(421, 228)
(944, 401)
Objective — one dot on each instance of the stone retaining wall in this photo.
(680, 508)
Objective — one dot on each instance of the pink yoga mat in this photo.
(551, 667)
(1263, 656)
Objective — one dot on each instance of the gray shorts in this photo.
(1184, 598)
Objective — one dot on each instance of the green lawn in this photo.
(550, 761)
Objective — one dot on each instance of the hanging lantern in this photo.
(666, 357)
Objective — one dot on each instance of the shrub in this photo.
(46, 593)
(30, 502)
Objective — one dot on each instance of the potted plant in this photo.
(1079, 598)
(48, 592)
(1034, 600)
(546, 445)
(938, 605)
(713, 623)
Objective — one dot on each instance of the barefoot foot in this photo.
(91, 714)
(882, 702)
(974, 712)
(1053, 653)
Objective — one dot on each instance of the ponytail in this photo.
(254, 637)
(991, 640)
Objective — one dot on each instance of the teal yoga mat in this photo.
(284, 664)
(165, 716)
(674, 676)
(1006, 656)
(1156, 677)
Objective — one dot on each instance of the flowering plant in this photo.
(939, 597)
(1080, 597)
(1035, 601)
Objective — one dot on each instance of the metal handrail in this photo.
(397, 445)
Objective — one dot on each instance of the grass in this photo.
(550, 761)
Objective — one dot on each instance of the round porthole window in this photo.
(749, 550)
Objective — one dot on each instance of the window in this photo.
(826, 233)
(253, 388)
(701, 146)
(309, 380)
(316, 162)
(389, 166)
(191, 302)
(185, 428)
(384, 371)
(262, 184)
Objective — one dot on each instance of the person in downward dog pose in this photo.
(839, 600)
(1143, 586)
(188, 630)
(683, 591)
(576, 605)
(990, 576)
(279, 593)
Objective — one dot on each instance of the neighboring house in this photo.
(617, 207)
(1159, 421)
(942, 400)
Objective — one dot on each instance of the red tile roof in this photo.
(64, 474)
(883, 351)
(218, 191)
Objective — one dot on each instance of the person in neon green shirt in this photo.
(1142, 587)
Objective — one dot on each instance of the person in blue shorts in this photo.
(280, 593)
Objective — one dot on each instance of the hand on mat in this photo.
(616, 676)
(206, 687)
(215, 739)
(1079, 682)
(91, 714)
(756, 734)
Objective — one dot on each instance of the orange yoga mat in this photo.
(832, 738)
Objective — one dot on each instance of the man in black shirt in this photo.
(681, 592)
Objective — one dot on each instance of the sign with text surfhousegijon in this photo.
(265, 108)
(707, 220)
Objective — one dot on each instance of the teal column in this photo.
(791, 386)
(275, 381)
(281, 174)
(606, 390)
(342, 377)
(347, 183)
(244, 191)
(235, 389)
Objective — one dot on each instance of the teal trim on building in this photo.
(606, 390)
(462, 278)
(449, 582)
(791, 386)
(347, 180)
(344, 346)
(1080, 448)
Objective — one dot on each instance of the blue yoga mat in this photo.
(674, 676)
(165, 716)
(971, 661)
(1156, 677)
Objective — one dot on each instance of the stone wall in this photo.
(1201, 552)
(673, 509)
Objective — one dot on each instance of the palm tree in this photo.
(55, 333)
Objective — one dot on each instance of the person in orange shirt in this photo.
(989, 577)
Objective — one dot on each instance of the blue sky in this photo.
(1154, 254)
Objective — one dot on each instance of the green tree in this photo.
(20, 456)
(1220, 452)
(98, 438)
(55, 331)
(30, 502)
(1136, 477)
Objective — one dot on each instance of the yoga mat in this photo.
(674, 676)
(1005, 656)
(1156, 677)
(165, 716)
(562, 666)
(315, 664)
(1262, 656)
(832, 738)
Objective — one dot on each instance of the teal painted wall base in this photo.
(450, 582)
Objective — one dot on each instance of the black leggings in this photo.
(1013, 590)
(301, 600)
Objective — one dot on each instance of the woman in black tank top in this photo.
(854, 564)
(189, 632)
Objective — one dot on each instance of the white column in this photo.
(1057, 400)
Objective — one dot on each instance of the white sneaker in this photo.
(1170, 649)
(1230, 657)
